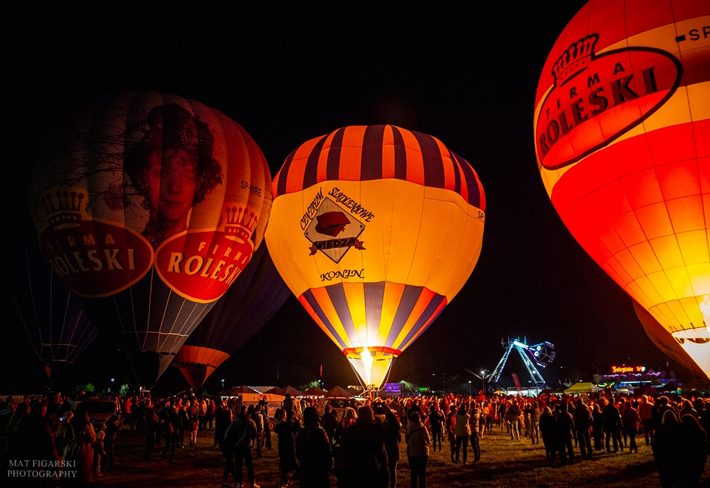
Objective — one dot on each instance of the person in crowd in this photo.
(670, 451)
(548, 430)
(436, 424)
(393, 438)
(222, 419)
(564, 425)
(535, 412)
(697, 454)
(99, 452)
(111, 429)
(227, 444)
(612, 424)
(512, 414)
(254, 412)
(475, 431)
(582, 426)
(451, 433)
(171, 432)
(286, 430)
(463, 432)
(417, 438)
(646, 413)
(244, 433)
(597, 426)
(630, 420)
(150, 427)
(193, 424)
(81, 449)
(313, 452)
(329, 422)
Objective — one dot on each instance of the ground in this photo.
(504, 463)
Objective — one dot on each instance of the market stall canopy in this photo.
(315, 391)
(584, 387)
(290, 389)
(338, 391)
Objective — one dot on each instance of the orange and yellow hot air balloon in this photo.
(622, 134)
(375, 229)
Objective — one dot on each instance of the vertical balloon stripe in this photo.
(351, 153)
(415, 159)
(331, 313)
(316, 312)
(473, 194)
(432, 310)
(339, 300)
(448, 164)
(422, 303)
(432, 160)
(355, 297)
(458, 173)
(336, 146)
(391, 300)
(406, 305)
(374, 300)
(310, 173)
(280, 180)
(372, 153)
(400, 154)
(388, 153)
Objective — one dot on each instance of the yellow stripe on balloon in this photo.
(390, 303)
(323, 299)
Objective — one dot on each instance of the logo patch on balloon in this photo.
(597, 98)
(201, 265)
(76, 245)
(333, 231)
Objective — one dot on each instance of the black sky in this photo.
(468, 78)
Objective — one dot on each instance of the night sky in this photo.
(287, 77)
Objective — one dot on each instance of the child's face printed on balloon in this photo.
(171, 185)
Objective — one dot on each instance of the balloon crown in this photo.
(239, 220)
(63, 206)
(574, 59)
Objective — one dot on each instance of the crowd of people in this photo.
(360, 447)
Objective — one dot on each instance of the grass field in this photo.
(504, 463)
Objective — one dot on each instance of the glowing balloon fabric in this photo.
(149, 206)
(622, 134)
(375, 229)
(664, 341)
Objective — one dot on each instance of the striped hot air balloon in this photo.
(375, 229)
(622, 133)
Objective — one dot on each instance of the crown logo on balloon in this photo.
(64, 207)
(239, 220)
(574, 59)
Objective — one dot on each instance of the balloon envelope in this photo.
(149, 206)
(375, 229)
(622, 135)
(46, 317)
(235, 318)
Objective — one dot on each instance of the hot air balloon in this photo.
(47, 319)
(235, 318)
(149, 206)
(622, 135)
(375, 229)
